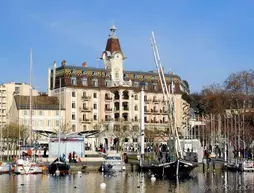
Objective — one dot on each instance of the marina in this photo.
(128, 182)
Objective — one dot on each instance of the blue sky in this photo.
(202, 41)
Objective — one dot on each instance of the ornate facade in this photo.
(96, 97)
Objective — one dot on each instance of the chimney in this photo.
(84, 64)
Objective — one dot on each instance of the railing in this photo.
(86, 98)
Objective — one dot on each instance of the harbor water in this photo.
(128, 182)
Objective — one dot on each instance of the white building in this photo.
(45, 113)
(7, 91)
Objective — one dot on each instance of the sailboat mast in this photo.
(59, 132)
(31, 92)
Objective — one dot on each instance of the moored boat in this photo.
(59, 166)
(27, 167)
(113, 163)
(5, 168)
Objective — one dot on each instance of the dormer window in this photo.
(146, 85)
(135, 84)
(95, 82)
(84, 81)
(73, 80)
(155, 86)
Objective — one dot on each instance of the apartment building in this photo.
(97, 98)
(46, 114)
(7, 92)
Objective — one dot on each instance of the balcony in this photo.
(108, 98)
(85, 120)
(108, 109)
(86, 98)
(156, 101)
(85, 109)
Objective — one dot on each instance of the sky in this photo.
(202, 41)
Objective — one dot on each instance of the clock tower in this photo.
(113, 58)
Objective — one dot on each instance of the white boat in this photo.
(247, 166)
(27, 167)
(113, 163)
(5, 168)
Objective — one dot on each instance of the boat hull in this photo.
(112, 168)
(62, 167)
(5, 169)
(177, 168)
(28, 169)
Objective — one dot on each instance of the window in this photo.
(40, 112)
(95, 117)
(73, 105)
(40, 123)
(154, 86)
(107, 83)
(73, 127)
(94, 106)
(95, 95)
(73, 80)
(73, 117)
(136, 118)
(57, 123)
(136, 97)
(84, 81)
(57, 113)
(95, 82)
(49, 123)
(135, 84)
(146, 86)
(25, 122)
(25, 112)
(32, 112)
(73, 94)
(136, 107)
(84, 127)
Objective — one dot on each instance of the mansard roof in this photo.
(38, 102)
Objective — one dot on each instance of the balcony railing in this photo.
(86, 98)
(108, 98)
(85, 109)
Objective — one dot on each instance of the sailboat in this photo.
(59, 165)
(28, 166)
(177, 167)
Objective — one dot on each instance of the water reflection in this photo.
(128, 182)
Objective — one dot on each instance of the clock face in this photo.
(118, 56)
